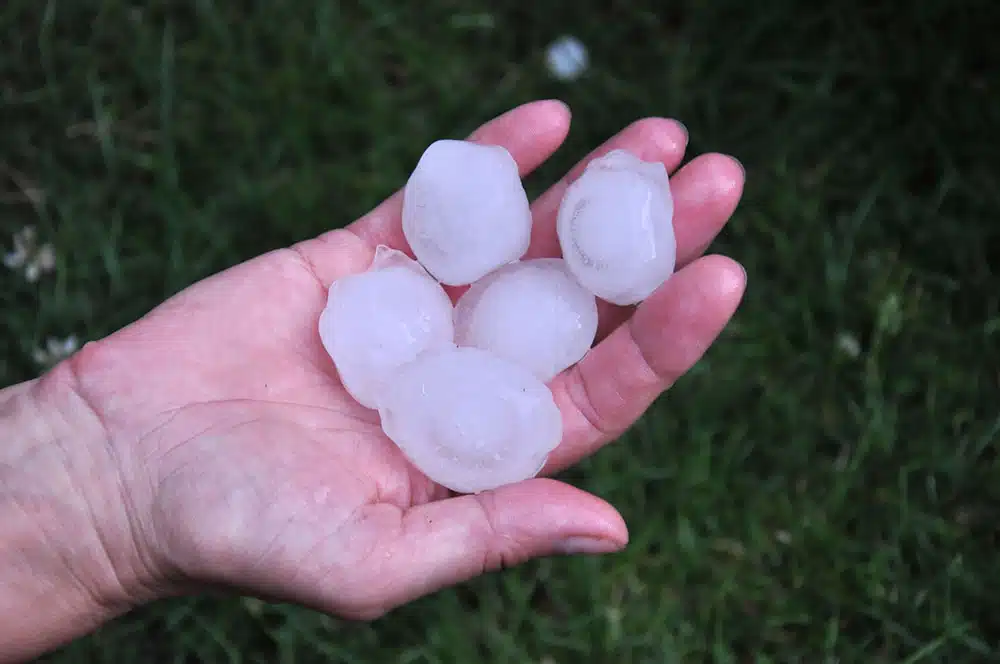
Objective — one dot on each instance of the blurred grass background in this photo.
(822, 488)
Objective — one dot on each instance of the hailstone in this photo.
(465, 211)
(566, 58)
(470, 420)
(377, 321)
(534, 313)
(615, 227)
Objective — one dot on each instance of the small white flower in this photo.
(16, 259)
(24, 242)
(848, 344)
(46, 258)
(28, 257)
(567, 58)
(55, 350)
(70, 345)
(254, 606)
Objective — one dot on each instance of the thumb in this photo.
(453, 540)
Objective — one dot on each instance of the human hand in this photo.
(243, 462)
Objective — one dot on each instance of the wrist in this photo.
(69, 560)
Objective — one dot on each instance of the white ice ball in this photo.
(465, 211)
(615, 227)
(377, 321)
(534, 313)
(566, 58)
(469, 420)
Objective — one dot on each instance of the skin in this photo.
(210, 444)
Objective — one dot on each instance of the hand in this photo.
(244, 463)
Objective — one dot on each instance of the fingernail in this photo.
(742, 167)
(683, 128)
(559, 102)
(587, 545)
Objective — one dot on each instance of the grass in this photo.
(822, 488)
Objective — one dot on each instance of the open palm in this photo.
(246, 464)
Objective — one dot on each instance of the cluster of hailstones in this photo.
(462, 388)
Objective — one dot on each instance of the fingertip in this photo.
(658, 139)
(726, 173)
(683, 128)
(739, 164)
(653, 139)
(615, 529)
(559, 110)
(559, 509)
(723, 275)
(531, 132)
(706, 192)
(554, 117)
(544, 116)
(681, 319)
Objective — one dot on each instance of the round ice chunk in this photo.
(470, 420)
(615, 227)
(534, 313)
(465, 211)
(376, 321)
(566, 58)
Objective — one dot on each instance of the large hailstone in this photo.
(615, 227)
(534, 313)
(465, 211)
(470, 420)
(381, 319)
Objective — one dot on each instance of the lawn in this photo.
(824, 487)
